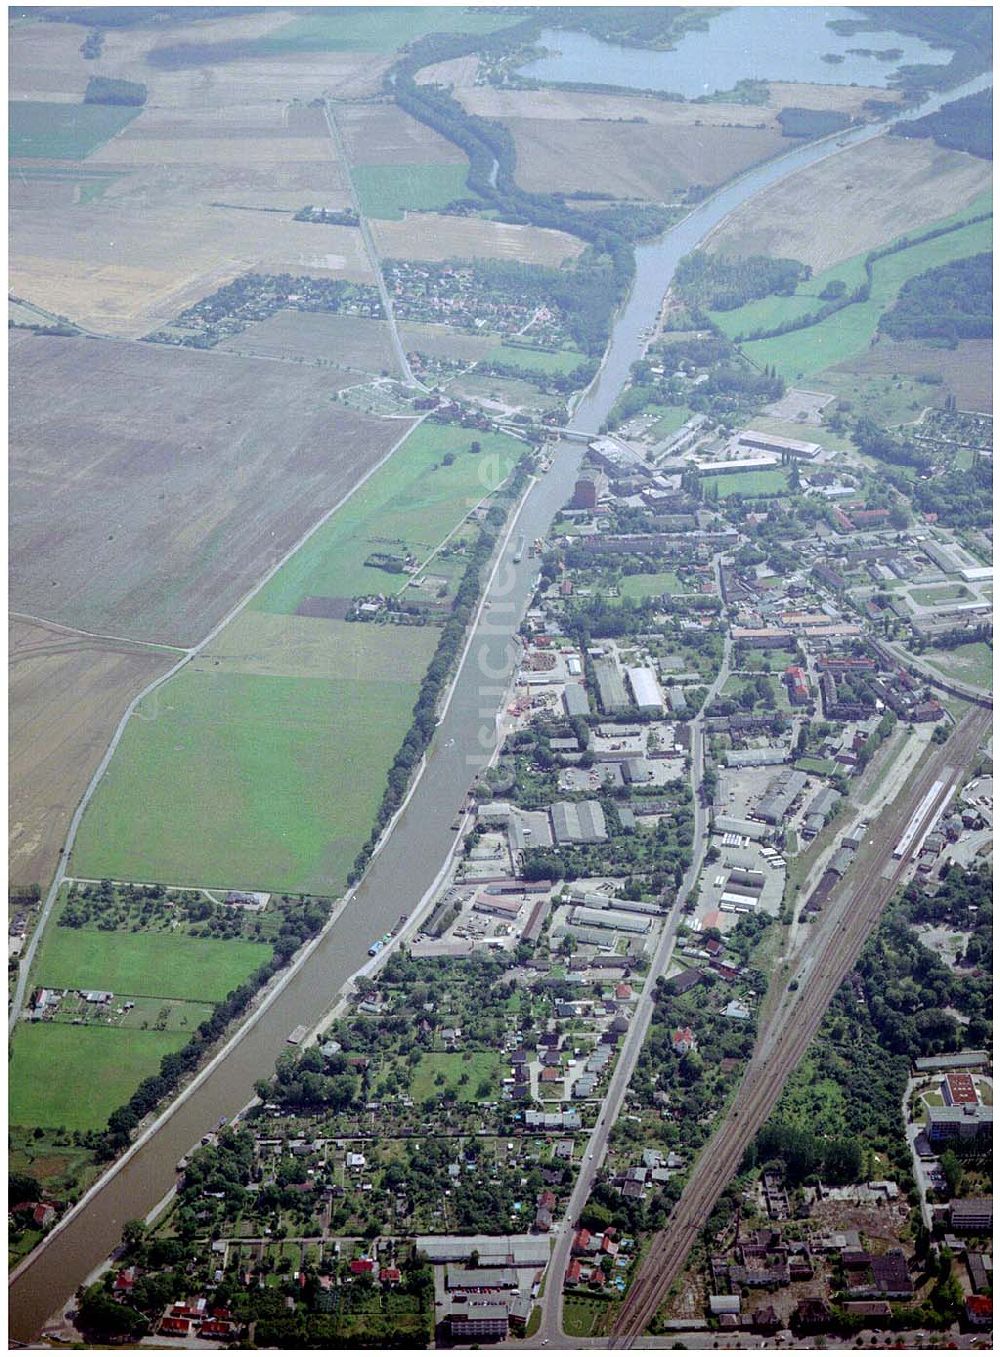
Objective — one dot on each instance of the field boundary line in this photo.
(94, 635)
(64, 853)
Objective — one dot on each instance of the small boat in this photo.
(297, 1035)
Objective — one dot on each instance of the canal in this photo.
(421, 839)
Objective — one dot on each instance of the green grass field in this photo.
(62, 131)
(972, 663)
(76, 1076)
(168, 966)
(232, 775)
(388, 191)
(810, 764)
(670, 418)
(243, 782)
(376, 29)
(479, 1066)
(538, 360)
(645, 586)
(770, 312)
(847, 333)
(749, 483)
(406, 499)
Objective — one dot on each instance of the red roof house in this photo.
(362, 1267)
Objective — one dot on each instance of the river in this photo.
(422, 838)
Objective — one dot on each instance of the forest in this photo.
(723, 284)
(954, 301)
(964, 125)
(961, 498)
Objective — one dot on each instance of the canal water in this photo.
(412, 856)
(742, 43)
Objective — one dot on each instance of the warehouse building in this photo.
(578, 822)
(774, 443)
(575, 700)
(645, 689)
(780, 796)
(614, 919)
(610, 686)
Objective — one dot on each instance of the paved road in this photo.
(551, 1329)
(369, 239)
(826, 956)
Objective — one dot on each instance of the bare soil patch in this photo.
(854, 201)
(67, 695)
(352, 342)
(152, 486)
(849, 99)
(634, 160)
(457, 73)
(45, 62)
(382, 134)
(429, 235)
(553, 105)
(966, 370)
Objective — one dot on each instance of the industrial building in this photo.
(781, 795)
(645, 689)
(970, 1122)
(578, 822)
(575, 700)
(610, 686)
(614, 919)
(774, 443)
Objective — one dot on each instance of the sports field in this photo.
(848, 332)
(161, 965)
(76, 1076)
(388, 191)
(751, 483)
(44, 131)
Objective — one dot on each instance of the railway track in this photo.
(849, 921)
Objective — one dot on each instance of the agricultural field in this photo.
(875, 378)
(440, 341)
(66, 695)
(435, 237)
(75, 1077)
(242, 755)
(853, 202)
(389, 191)
(150, 965)
(352, 342)
(633, 160)
(383, 134)
(51, 131)
(353, 30)
(538, 360)
(242, 457)
(502, 395)
(803, 353)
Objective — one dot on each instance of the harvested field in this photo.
(119, 268)
(45, 61)
(353, 342)
(633, 160)
(849, 99)
(67, 693)
(382, 134)
(439, 341)
(966, 370)
(853, 202)
(434, 237)
(456, 74)
(149, 497)
(555, 105)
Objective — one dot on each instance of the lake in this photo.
(749, 43)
